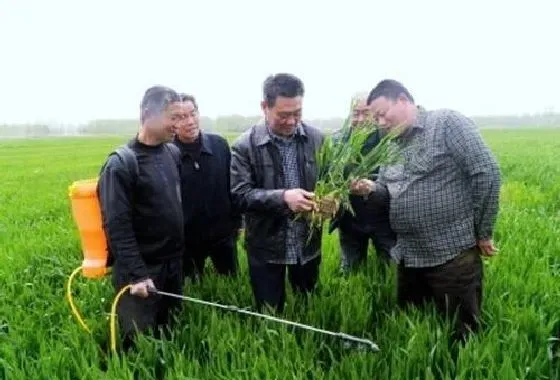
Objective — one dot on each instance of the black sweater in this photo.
(142, 216)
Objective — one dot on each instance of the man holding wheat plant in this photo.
(273, 175)
(444, 204)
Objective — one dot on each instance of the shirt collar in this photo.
(202, 139)
(285, 139)
(420, 118)
(206, 146)
(264, 135)
(417, 126)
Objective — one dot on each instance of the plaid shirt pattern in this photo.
(296, 232)
(445, 193)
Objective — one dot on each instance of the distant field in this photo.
(39, 247)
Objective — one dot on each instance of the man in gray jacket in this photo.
(273, 174)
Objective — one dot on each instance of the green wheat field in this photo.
(41, 339)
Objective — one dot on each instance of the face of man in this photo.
(163, 125)
(284, 117)
(390, 114)
(361, 114)
(188, 127)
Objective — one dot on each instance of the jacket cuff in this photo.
(138, 272)
(278, 199)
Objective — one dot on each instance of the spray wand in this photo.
(363, 343)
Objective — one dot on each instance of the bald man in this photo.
(371, 222)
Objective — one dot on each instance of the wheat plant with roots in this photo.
(340, 161)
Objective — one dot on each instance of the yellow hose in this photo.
(71, 301)
(112, 326)
(113, 318)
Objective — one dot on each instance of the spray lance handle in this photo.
(143, 288)
(152, 289)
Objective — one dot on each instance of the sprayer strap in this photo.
(128, 156)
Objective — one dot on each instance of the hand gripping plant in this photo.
(340, 161)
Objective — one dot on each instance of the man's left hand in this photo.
(487, 247)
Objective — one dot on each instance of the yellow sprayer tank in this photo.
(87, 216)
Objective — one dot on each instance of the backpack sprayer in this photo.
(87, 216)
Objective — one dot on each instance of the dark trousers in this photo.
(354, 244)
(268, 280)
(222, 253)
(455, 287)
(136, 314)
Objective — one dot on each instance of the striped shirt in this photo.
(445, 193)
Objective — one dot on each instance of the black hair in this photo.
(286, 85)
(188, 98)
(389, 88)
(156, 99)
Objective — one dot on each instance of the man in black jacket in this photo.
(273, 175)
(371, 219)
(142, 216)
(211, 222)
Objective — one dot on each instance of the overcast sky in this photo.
(78, 60)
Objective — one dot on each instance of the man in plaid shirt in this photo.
(444, 203)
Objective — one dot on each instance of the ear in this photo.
(264, 106)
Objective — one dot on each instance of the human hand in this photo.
(299, 200)
(487, 247)
(362, 187)
(141, 288)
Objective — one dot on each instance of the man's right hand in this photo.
(362, 187)
(299, 200)
(487, 247)
(140, 289)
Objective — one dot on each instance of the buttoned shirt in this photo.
(445, 191)
(295, 236)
